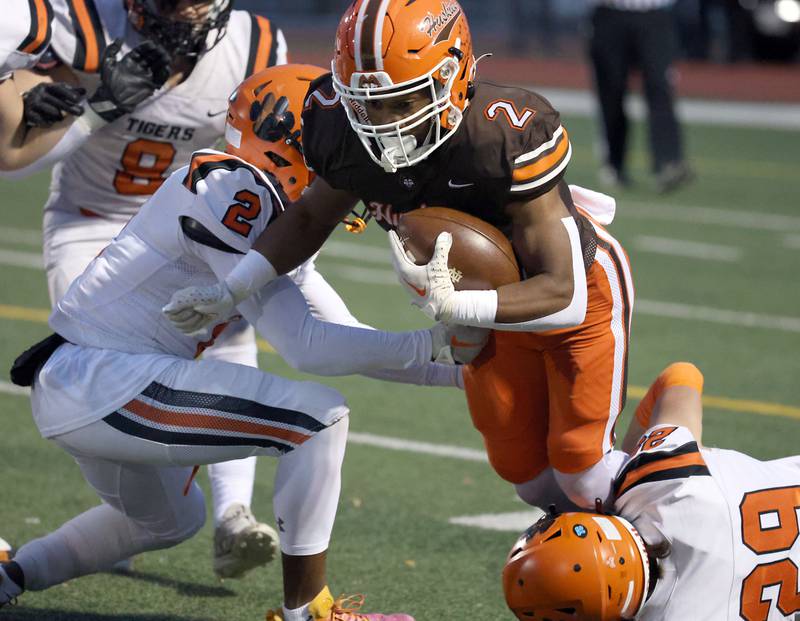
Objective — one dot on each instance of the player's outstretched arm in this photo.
(674, 398)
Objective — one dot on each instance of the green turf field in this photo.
(733, 312)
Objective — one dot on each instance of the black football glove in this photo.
(127, 82)
(48, 103)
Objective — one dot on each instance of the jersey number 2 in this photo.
(769, 525)
(239, 215)
(144, 163)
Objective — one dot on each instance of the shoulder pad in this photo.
(664, 453)
(534, 146)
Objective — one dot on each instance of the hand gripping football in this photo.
(481, 257)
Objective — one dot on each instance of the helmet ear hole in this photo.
(276, 159)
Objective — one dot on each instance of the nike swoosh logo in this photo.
(420, 292)
(458, 186)
(213, 114)
(454, 342)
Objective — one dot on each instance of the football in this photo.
(481, 257)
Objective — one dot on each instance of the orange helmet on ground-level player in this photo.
(263, 124)
(388, 48)
(577, 566)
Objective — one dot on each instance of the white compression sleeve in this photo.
(75, 136)
(326, 304)
(281, 315)
(478, 308)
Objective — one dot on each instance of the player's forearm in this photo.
(550, 300)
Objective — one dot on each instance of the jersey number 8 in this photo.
(144, 163)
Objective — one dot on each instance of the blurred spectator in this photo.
(533, 20)
(637, 33)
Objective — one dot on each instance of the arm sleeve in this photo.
(281, 315)
(326, 304)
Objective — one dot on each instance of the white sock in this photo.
(231, 482)
(296, 614)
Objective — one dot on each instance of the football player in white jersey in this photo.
(698, 533)
(126, 154)
(119, 389)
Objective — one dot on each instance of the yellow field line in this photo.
(762, 408)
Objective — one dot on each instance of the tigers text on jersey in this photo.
(732, 524)
(25, 32)
(123, 163)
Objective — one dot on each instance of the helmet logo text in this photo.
(432, 25)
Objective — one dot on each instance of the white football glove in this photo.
(454, 344)
(194, 309)
(429, 285)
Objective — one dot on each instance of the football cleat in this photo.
(325, 608)
(241, 543)
(9, 590)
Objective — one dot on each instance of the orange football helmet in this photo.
(390, 48)
(263, 124)
(577, 566)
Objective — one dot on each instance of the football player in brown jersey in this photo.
(401, 123)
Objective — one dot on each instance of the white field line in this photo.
(18, 258)
(738, 114)
(717, 315)
(688, 249)
(11, 389)
(25, 237)
(426, 448)
(515, 521)
(752, 220)
(358, 251)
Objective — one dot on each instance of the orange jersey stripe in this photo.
(92, 47)
(668, 463)
(544, 163)
(199, 160)
(41, 18)
(264, 44)
(200, 421)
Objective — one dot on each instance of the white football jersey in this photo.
(732, 524)
(116, 303)
(125, 162)
(25, 33)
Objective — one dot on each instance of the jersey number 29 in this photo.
(770, 525)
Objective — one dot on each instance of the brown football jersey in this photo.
(510, 147)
